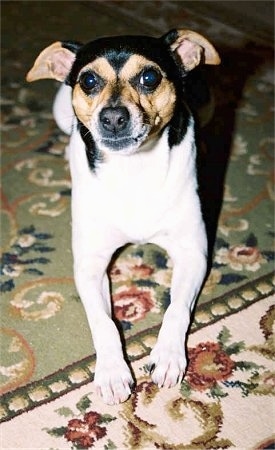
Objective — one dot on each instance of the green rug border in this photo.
(73, 376)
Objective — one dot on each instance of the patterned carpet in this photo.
(47, 359)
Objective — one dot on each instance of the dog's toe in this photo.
(113, 395)
(114, 384)
(165, 375)
(167, 368)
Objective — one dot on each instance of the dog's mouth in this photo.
(123, 144)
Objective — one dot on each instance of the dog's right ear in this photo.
(54, 62)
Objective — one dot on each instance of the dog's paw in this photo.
(167, 366)
(113, 381)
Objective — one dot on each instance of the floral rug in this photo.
(225, 400)
(47, 358)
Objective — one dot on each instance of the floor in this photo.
(254, 17)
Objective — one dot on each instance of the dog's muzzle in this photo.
(119, 131)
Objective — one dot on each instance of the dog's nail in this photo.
(150, 368)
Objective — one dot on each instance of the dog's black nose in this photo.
(114, 119)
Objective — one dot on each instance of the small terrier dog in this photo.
(132, 155)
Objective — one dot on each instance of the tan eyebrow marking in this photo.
(102, 68)
(134, 66)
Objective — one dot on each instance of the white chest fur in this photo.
(140, 193)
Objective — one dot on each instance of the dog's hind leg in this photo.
(62, 109)
(63, 113)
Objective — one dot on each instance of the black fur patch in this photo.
(93, 155)
(178, 124)
(73, 46)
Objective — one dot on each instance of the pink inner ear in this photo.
(61, 63)
(188, 52)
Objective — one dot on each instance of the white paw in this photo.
(167, 366)
(113, 381)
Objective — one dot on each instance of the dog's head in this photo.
(125, 89)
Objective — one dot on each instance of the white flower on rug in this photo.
(26, 240)
(13, 270)
(239, 147)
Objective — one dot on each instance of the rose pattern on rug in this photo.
(211, 367)
(244, 256)
(83, 433)
(238, 260)
(208, 364)
(219, 369)
(85, 427)
(132, 304)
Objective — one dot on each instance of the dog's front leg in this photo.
(167, 361)
(113, 379)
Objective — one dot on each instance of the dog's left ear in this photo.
(54, 62)
(191, 48)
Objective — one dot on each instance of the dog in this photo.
(132, 154)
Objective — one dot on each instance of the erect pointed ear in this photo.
(54, 62)
(191, 48)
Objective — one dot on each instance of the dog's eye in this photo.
(150, 79)
(88, 81)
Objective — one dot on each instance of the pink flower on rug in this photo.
(83, 433)
(240, 257)
(132, 304)
(208, 364)
(130, 267)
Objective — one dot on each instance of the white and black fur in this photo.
(132, 155)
